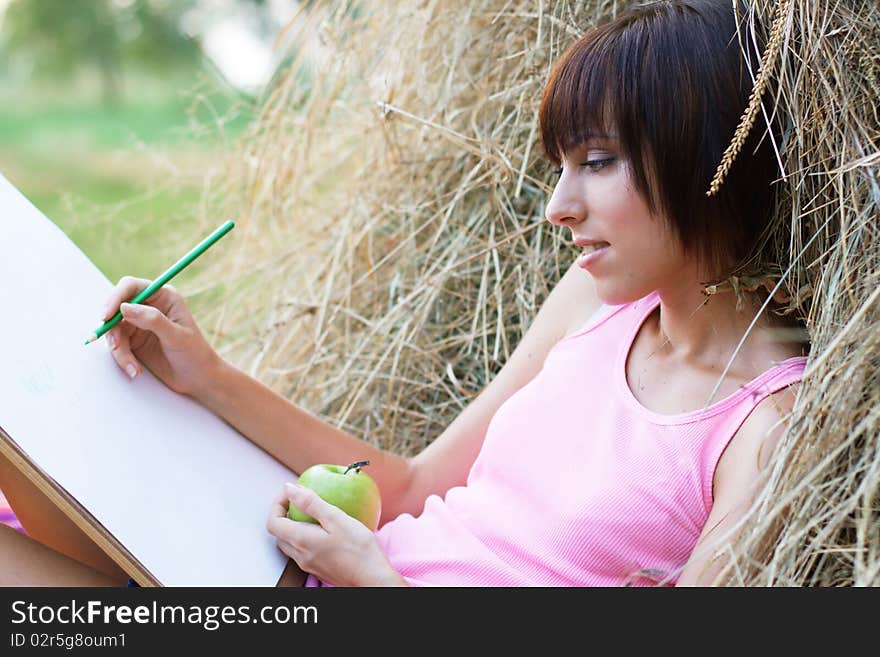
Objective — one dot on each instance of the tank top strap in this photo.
(599, 316)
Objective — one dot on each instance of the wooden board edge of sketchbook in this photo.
(71, 508)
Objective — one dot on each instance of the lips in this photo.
(592, 251)
(589, 245)
(583, 242)
(595, 246)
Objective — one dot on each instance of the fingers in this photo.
(138, 316)
(118, 341)
(117, 337)
(280, 506)
(121, 353)
(309, 502)
(125, 290)
(150, 318)
(128, 288)
(280, 525)
(294, 538)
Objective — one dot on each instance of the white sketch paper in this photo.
(186, 493)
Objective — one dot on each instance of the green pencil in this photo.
(172, 271)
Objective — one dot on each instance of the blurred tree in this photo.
(106, 35)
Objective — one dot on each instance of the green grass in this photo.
(91, 167)
(156, 110)
(40, 126)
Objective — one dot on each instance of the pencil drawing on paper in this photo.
(40, 379)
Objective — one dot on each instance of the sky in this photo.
(236, 42)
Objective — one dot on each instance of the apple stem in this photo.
(357, 465)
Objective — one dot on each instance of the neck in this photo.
(693, 327)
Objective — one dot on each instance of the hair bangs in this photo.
(577, 104)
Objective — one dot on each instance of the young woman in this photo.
(599, 455)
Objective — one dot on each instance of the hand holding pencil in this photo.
(158, 333)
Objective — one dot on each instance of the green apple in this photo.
(345, 487)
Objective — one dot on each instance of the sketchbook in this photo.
(171, 492)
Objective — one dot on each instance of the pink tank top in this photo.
(577, 483)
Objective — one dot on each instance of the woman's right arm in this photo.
(162, 335)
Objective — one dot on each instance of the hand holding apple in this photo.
(337, 549)
(346, 488)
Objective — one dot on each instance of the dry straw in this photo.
(768, 59)
(391, 249)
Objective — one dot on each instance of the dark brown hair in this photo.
(671, 80)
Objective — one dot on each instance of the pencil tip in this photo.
(91, 338)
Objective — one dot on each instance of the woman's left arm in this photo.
(738, 478)
(339, 550)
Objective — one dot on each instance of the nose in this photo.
(567, 204)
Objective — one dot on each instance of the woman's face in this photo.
(597, 201)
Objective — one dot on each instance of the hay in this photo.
(392, 251)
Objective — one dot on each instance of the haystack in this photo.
(392, 250)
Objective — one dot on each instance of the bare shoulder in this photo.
(739, 475)
(749, 451)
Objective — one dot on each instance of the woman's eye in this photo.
(593, 165)
(597, 165)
